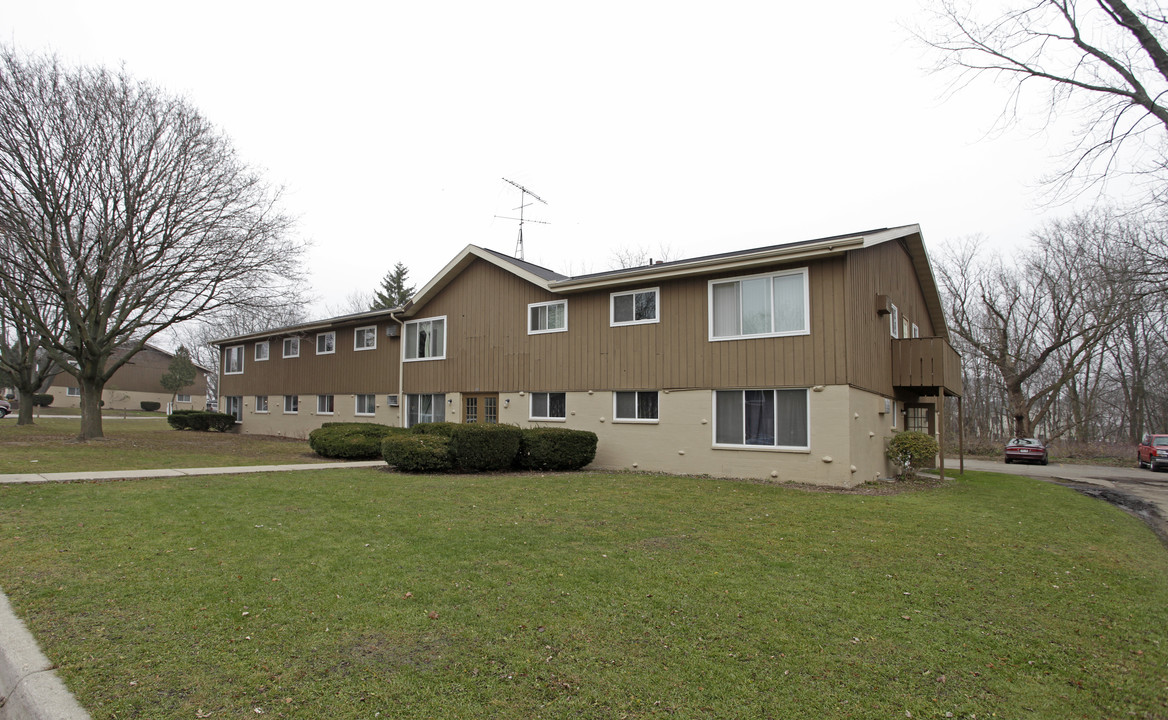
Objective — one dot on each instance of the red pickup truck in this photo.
(1153, 452)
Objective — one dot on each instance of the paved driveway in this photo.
(1145, 485)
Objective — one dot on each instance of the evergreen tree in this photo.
(394, 292)
(180, 373)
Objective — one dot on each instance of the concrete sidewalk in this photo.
(29, 689)
(177, 472)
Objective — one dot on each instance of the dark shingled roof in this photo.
(529, 267)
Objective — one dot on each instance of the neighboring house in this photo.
(794, 362)
(137, 381)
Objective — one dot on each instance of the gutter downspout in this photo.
(401, 366)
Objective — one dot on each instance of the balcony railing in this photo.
(922, 363)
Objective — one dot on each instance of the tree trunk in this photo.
(24, 413)
(91, 391)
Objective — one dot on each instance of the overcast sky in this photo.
(690, 127)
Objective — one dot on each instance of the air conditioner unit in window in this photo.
(392, 330)
(391, 400)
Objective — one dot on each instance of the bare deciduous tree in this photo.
(1102, 60)
(128, 212)
(640, 256)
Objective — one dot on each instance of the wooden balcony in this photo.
(924, 364)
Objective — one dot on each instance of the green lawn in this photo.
(362, 594)
(49, 445)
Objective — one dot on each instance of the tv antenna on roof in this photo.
(523, 195)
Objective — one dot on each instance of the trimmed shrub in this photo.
(201, 420)
(446, 429)
(417, 452)
(42, 400)
(480, 447)
(351, 440)
(552, 448)
(911, 451)
(150, 405)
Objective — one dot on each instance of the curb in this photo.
(29, 688)
(177, 472)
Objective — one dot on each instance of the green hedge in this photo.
(350, 440)
(417, 452)
(482, 447)
(150, 405)
(42, 400)
(445, 429)
(910, 451)
(551, 448)
(201, 420)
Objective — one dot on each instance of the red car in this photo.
(1030, 450)
(1153, 452)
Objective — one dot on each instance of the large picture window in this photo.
(425, 409)
(547, 317)
(426, 339)
(634, 307)
(759, 306)
(233, 360)
(761, 418)
(639, 406)
(548, 406)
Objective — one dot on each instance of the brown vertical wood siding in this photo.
(143, 373)
(488, 348)
(885, 269)
(347, 371)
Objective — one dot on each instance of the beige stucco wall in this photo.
(848, 431)
(124, 399)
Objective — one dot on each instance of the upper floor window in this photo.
(291, 347)
(261, 350)
(326, 343)
(426, 339)
(633, 307)
(916, 331)
(365, 338)
(894, 320)
(233, 360)
(547, 317)
(759, 306)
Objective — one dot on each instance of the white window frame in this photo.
(261, 404)
(294, 342)
(616, 418)
(266, 354)
(237, 351)
(326, 404)
(412, 327)
(178, 398)
(367, 412)
(805, 330)
(613, 322)
(894, 320)
(330, 339)
(745, 446)
(369, 331)
(534, 331)
(547, 402)
(916, 331)
(233, 405)
(292, 401)
(437, 408)
(72, 391)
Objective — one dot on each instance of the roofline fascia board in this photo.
(653, 273)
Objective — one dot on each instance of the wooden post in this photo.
(941, 425)
(961, 430)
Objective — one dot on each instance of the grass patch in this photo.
(359, 592)
(49, 445)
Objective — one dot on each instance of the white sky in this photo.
(699, 127)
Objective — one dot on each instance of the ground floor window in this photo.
(291, 404)
(761, 418)
(549, 406)
(233, 405)
(324, 404)
(182, 398)
(639, 406)
(261, 405)
(366, 405)
(73, 391)
(424, 409)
